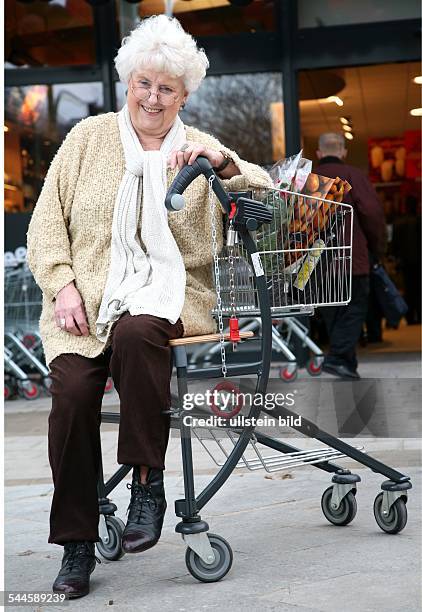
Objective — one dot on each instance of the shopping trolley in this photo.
(284, 254)
(26, 372)
(283, 332)
(25, 368)
(303, 229)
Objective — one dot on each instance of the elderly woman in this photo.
(120, 278)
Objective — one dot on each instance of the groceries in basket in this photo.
(309, 263)
(283, 172)
(306, 225)
(312, 216)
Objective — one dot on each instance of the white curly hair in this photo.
(161, 43)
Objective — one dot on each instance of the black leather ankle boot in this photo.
(77, 566)
(145, 512)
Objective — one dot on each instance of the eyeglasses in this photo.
(165, 95)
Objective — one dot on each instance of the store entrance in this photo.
(377, 109)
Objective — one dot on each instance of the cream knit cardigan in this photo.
(69, 234)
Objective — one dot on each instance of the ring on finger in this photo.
(62, 322)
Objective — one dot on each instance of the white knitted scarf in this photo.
(143, 283)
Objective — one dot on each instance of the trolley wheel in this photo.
(30, 390)
(112, 550)
(29, 340)
(47, 382)
(313, 367)
(288, 374)
(215, 571)
(7, 392)
(346, 511)
(109, 385)
(396, 519)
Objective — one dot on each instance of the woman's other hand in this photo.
(69, 311)
(190, 151)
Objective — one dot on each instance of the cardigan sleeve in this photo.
(48, 245)
(251, 175)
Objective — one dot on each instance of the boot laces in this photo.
(141, 497)
(78, 552)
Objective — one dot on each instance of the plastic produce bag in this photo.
(283, 172)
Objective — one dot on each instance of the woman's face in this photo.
(154, 100)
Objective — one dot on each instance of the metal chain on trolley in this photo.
(234, 324)
(217, 275)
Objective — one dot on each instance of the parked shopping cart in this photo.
(283, 331)
(26, 372)
(284, 254)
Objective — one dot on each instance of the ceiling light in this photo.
(346, 128)
(6, 129)
(416, 112)
(348, 135)
(344, 120)
(418, 80)
(335, 99)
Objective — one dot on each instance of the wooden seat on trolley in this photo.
(207, 338)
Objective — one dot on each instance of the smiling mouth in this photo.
(150, 110)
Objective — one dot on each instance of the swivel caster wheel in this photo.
(112, 550)
(8, 391)
(393, 520)
(211, 572)
(47, 384)
(29, 340)
(314, 366)
(29, 390)
(289, 373)
(344, 513)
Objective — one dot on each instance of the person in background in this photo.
(344, 323)
(375, 314)
(407, 248)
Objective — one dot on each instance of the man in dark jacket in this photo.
(344, 323)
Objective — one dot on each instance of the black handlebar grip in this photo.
(174, 199)
(184, 178)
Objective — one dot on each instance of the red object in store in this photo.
(386, 159)
(412, 144)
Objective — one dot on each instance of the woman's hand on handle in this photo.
(69, 311)
(190, 151)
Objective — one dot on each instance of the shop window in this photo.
(244, 111)
(205, 17)
(55, 33)
(320, 13)
(37, 118)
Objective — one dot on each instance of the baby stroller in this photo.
(269, 266)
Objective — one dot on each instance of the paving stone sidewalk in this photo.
(287, 557)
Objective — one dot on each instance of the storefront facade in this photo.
(59, 69)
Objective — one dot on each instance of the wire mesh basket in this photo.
(23, 301)
(305, 253)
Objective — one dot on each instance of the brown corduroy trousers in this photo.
(139, 360)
